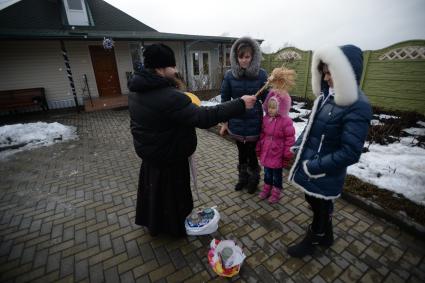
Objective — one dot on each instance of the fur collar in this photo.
(344, 79)
(254, 68)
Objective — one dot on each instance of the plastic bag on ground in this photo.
(205, 224)
(233, 263)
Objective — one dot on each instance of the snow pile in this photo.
(20, 137)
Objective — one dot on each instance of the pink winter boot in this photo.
(275, 196)
(265, 192)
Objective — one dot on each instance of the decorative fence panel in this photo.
(393, 77)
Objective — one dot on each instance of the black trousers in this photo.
(247, 154)
(322, 213)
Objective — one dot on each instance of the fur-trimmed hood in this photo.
(254, 67)
(282, 99)
(345, 64)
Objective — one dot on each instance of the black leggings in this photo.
(247, 155)
(322, 213)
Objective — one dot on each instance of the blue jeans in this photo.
(273, 176)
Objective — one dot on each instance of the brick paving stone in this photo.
(256, 259)
(199, 277)
(330, 272)
(50, 277)
(56, 226)
(356, 247)
(40, 258)
(81, 270)
(393, 278)
(292, 265)
(375, 251)
(311, 269)
(393, 253)
(145, 268)
(351, 274)
(102, 256)
(111, 275)
(127, 277)
(53, 262)
(355, 261)
(412, 256)
(274, 262)
(264, 274)
(177, 258)
(180, 275)
(371, 276)
(96, 273)
(147, 252)
(66, 266)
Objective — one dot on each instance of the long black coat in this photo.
(163, 121)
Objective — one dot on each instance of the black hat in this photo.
(158, 56)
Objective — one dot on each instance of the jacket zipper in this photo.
(321, 142)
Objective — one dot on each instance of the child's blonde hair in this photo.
(283, 79)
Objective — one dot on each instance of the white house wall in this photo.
(80, 61)
(30, 64)
(39, 63)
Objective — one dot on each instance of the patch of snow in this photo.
(33, 135)
(386, 117)
(415, 131)
(397, 167)
(421, 123)
(375, 122)
(212, 102)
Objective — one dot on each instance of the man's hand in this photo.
(249, 101)
(224, 129)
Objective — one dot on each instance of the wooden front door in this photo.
(105, 71)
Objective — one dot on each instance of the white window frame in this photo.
(201, 67)
(77, 17)
(226, 49)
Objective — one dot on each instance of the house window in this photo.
(136, 55)
(205, 63)
(75, 5)
(227, 55)
(76, 12)
(195, 63)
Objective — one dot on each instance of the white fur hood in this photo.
(345, 64)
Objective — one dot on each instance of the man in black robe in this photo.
(163, 121)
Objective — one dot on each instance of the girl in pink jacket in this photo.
(277, 137)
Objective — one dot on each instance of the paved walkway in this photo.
(67, 211)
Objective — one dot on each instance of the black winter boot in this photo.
(307, 245)
(243, 177)
(328, 239)
(253, 179)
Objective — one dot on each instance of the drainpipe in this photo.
(68, 70)
(185, 63)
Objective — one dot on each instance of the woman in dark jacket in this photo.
(332, 140)
(245, 77)
(163, 121)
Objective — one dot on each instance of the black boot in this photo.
(243, 177)
(307, 245)
(328, 239)
(253, 179)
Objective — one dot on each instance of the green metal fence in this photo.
(393, 77)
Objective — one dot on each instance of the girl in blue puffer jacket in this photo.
(332, 140)
(245, 78)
